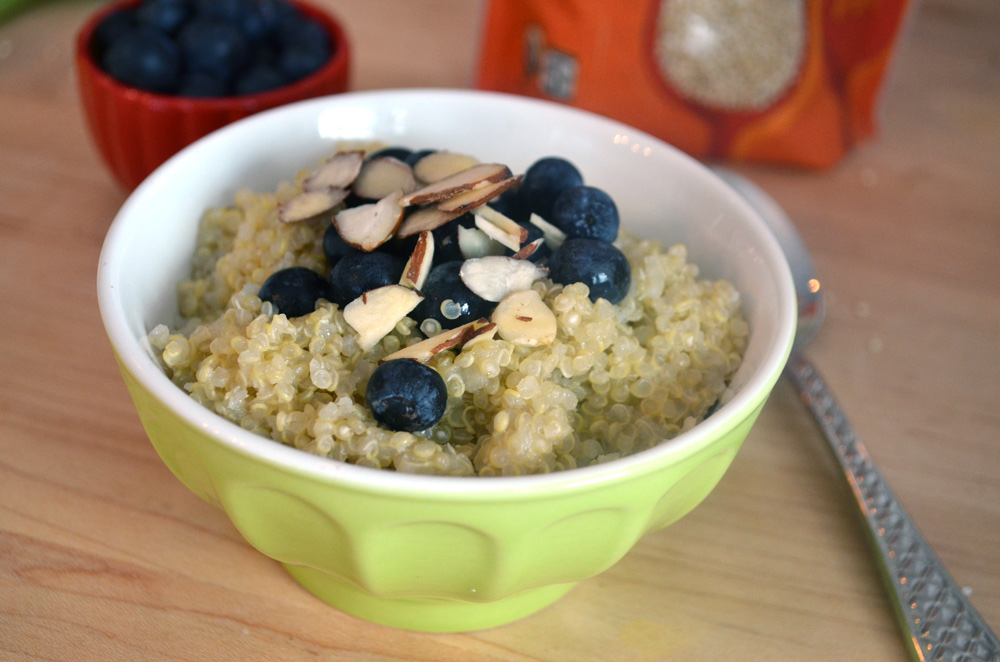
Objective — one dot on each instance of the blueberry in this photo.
(543, 252)
(305, 46)
(544, 180)
(415, 156)
(110, 29)
(396, 152)
(200, 84)
(259, 78)
(407, 395)
(164, 15)
(295, 290)
(358, 272)
(585, 211)
(144, 58)
(446, 247)
(448, 300)
(298, 61)
(511, 204)
(229, 11)
(214, 47)
(261, 18)
(598, 264)
(334, 247)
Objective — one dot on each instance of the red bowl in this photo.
(135, 131)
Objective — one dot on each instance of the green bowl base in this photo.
(425, 614)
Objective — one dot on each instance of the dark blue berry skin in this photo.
(446, 248)
(200, 84)
(305, 46)
(358, 272)
(511, 204)
(213, 47)
(542, 253)
(598, 264)
(164, 15)
(444, 283)
(396, 152)
(229, 11)
(586, 211)
(295, 290)
(145, 58)
(544, 180)
(334, 247)
(111, 28)
(406, 395)
(259, 78)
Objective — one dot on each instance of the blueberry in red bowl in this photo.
(133, 73)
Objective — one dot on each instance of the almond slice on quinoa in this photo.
(478, 196)
(310, 204)
(477, 176)
(479, 334)
(425, 350)
(381, 176)
(493, 277)
(425, 218)
(420, 261)
(437, 165)
(337, 172)
(524, 319)
(369, 226)
(376, 312)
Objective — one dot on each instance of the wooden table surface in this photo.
(104, 555)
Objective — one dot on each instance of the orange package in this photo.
(779, 81)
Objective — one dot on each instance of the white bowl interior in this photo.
(660, 192)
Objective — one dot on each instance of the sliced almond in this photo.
(437, 165)
(425, 350)
(339, 171)
(479, 334)
(529, 249)
(495, 276)
(504, 222)
(369, 226)
(381, 176)
(497, 227)
(425, 218)
(524, 319)
(478, 196)
(554, 237)
(375, 313)
(473, 242)
(419, 265)
(310, 204)
(477, 176)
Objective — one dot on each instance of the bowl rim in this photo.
(135, 358)
(336, 65)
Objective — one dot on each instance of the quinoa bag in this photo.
(780, 81)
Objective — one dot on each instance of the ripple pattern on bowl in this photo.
(289, 529)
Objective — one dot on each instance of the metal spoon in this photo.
(937, 618)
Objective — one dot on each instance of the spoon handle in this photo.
(939, 621)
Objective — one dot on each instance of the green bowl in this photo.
(433, 553)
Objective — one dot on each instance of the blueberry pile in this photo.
(210, 48)
(405, 394)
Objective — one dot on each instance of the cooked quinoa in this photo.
(617, 379)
